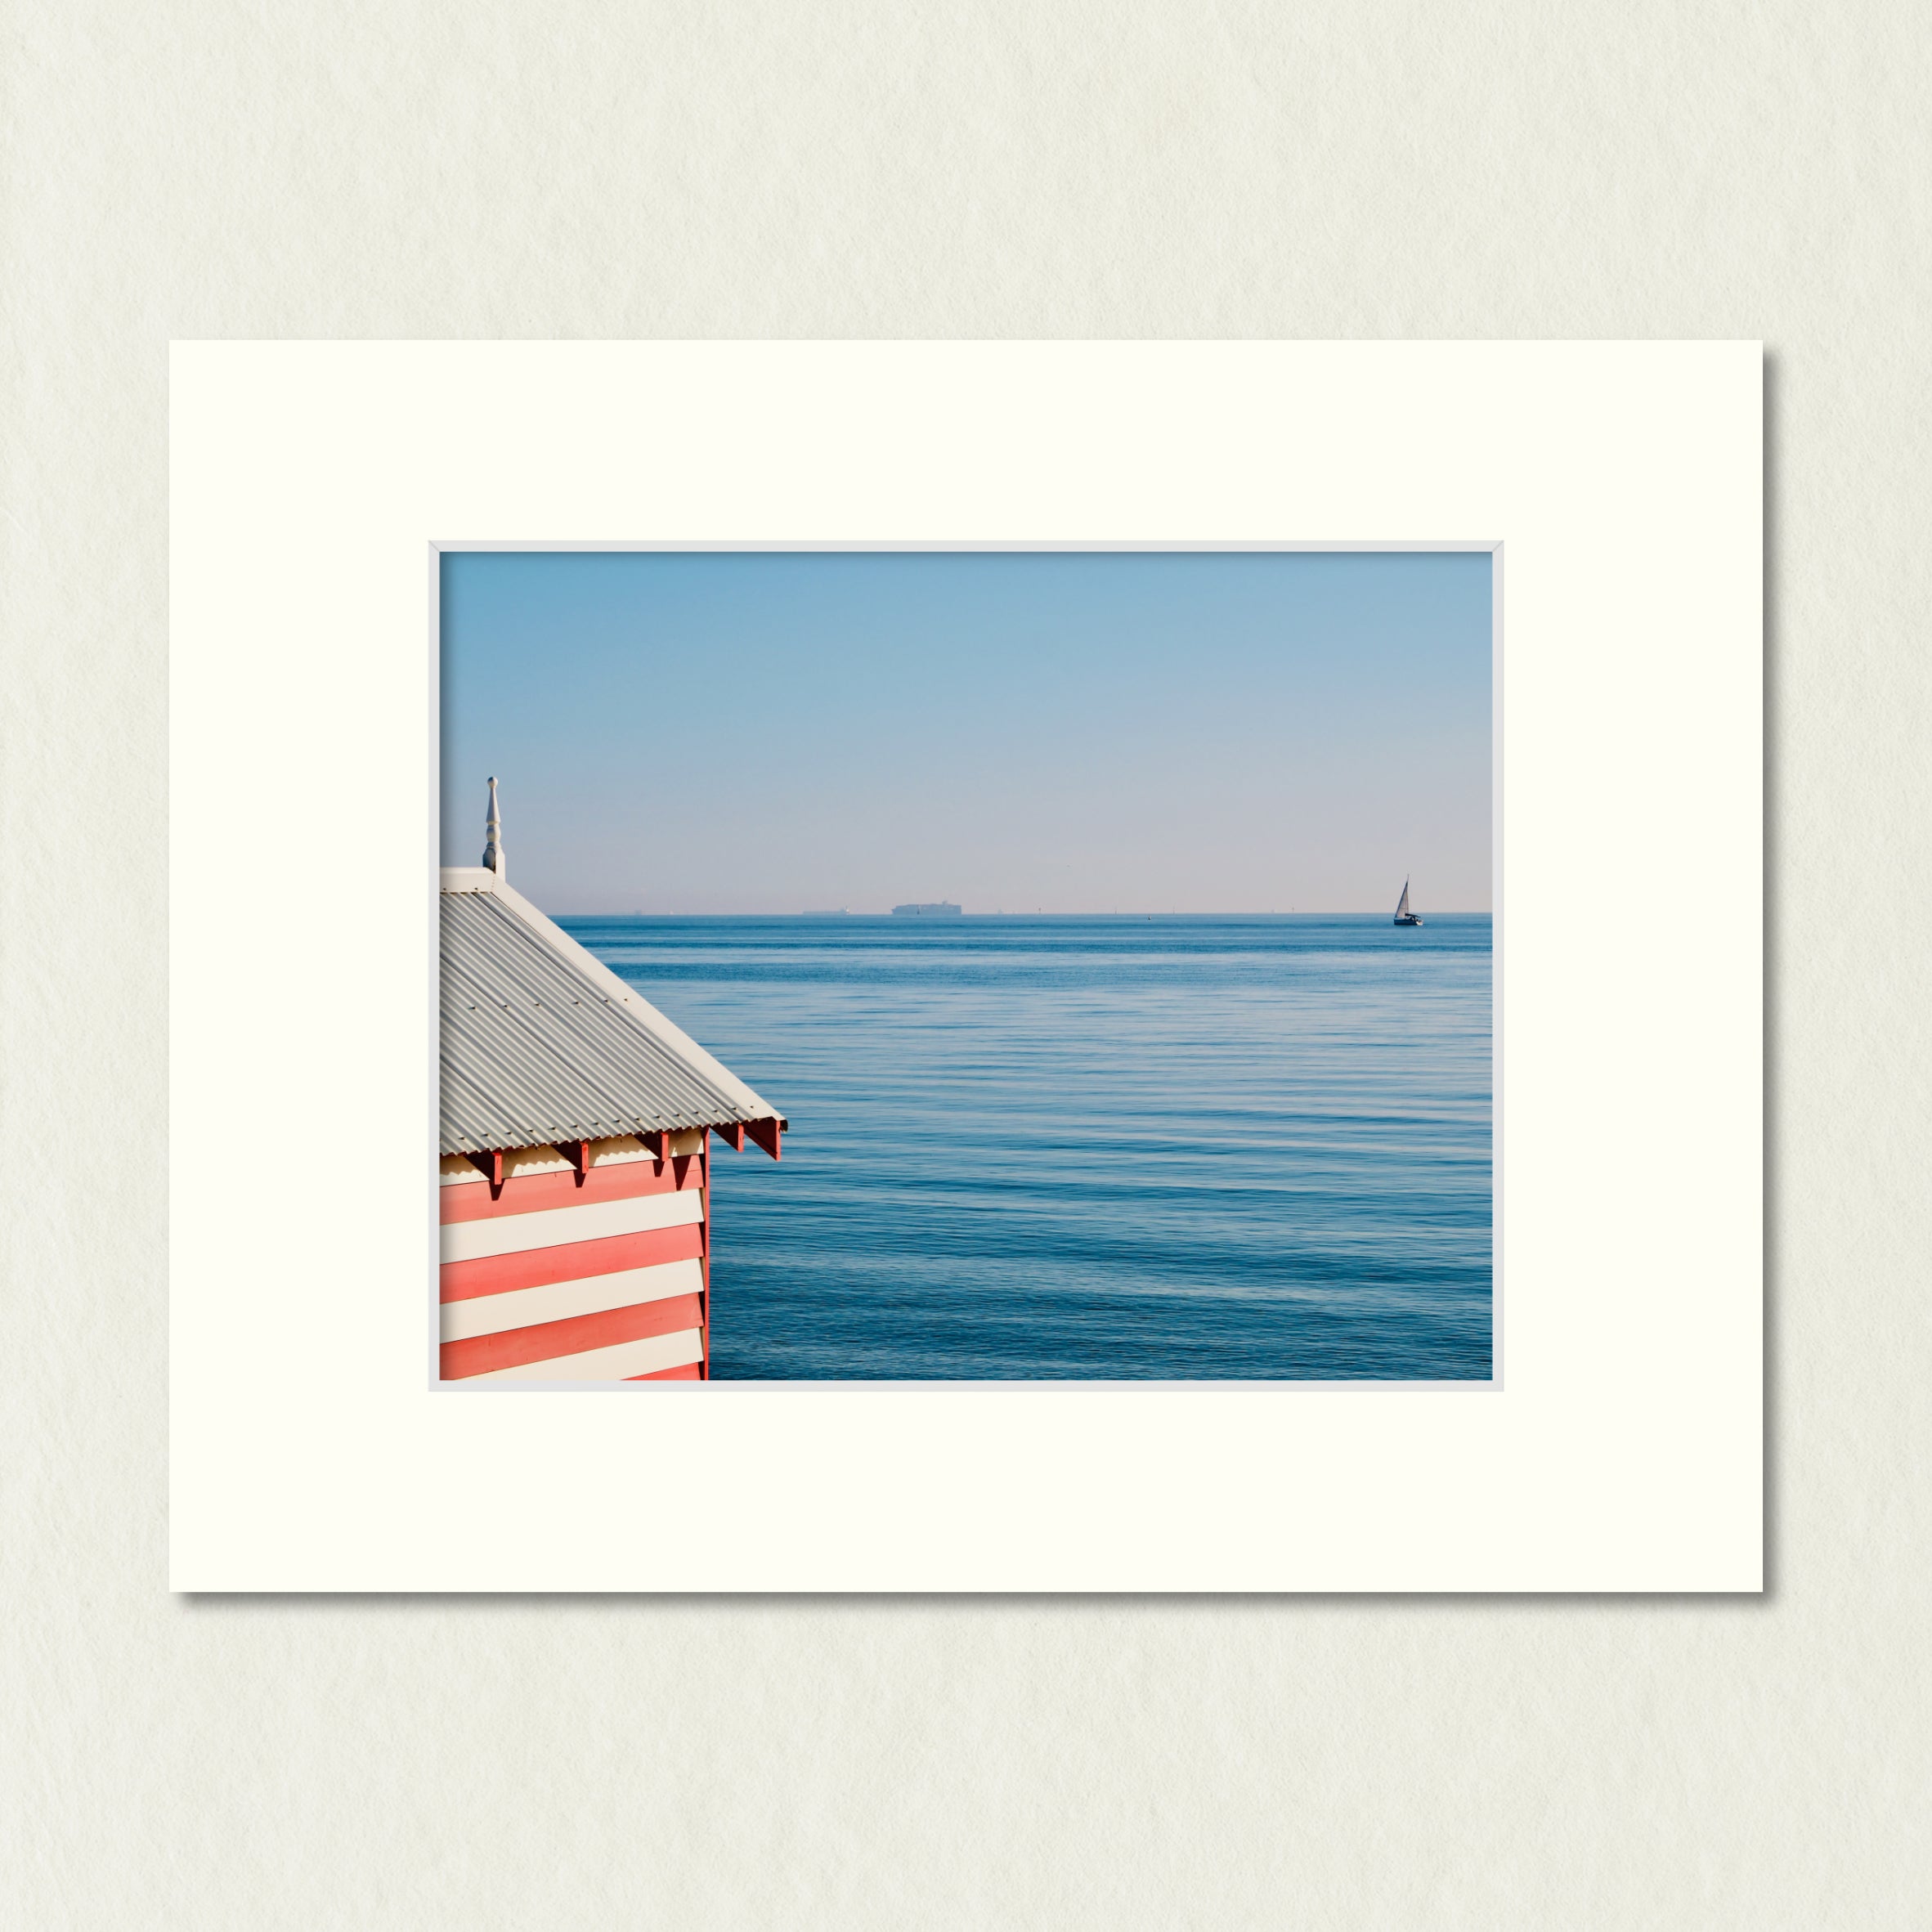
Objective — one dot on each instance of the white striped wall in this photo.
(557, 1301)
(515, 1234)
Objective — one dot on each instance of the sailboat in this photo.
(1404, 917)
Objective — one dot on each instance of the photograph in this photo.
(1066, 964)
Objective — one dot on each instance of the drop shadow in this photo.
(711, 1604)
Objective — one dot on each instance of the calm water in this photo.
(1043, 1147)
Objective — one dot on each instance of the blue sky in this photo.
(736, 731)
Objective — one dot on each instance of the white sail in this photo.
(1404, 906)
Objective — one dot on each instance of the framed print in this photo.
(1197, 907)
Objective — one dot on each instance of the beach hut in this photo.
(575, 1197)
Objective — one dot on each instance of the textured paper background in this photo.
(1649, 169)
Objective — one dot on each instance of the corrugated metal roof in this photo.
(541, 1042)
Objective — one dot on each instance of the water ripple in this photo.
(1028, 1148)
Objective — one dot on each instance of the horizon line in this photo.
(948, 918)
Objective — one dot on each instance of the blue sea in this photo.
(1176, 1148)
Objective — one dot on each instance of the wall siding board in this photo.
(577, 1335)
(534, 1266)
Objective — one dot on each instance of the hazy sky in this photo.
(1075, 731)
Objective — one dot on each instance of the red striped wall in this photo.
(646, 1340)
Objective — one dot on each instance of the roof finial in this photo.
(493, 849)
